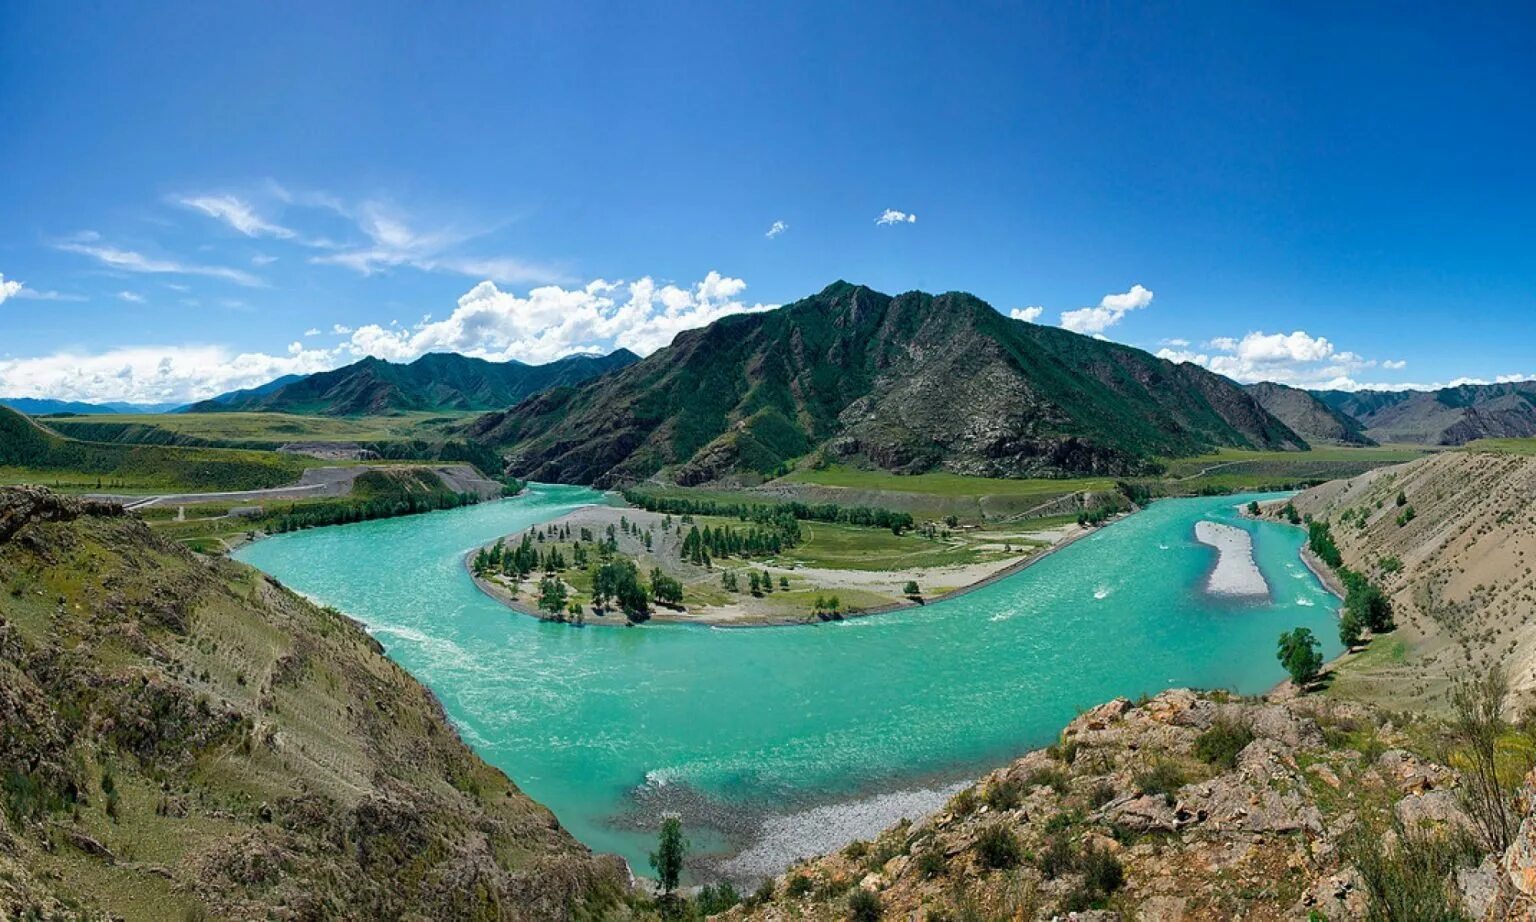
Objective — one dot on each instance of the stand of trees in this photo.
(341, 512)
(769, 513)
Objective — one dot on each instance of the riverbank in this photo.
(1235, 573)
(794, 592)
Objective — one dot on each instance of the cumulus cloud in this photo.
(1030, 314)
(131, 297)
(547, 323)
(153, 374)
(892, 216)
(1297, 358)
(1111, 310)
(236, 213)
(1394, 364)
(550, 321)
(8, 289)
(89, 244)
(778, 228)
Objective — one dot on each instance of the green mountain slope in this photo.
(1308, 416)
(42, 453)
(1451, 416)
(912, 383)
(435, 382)
(183, 738)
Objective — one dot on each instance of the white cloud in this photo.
(236, 213)
(312, 331)
(778, 228)
(153, 374)
(9, 289)
(1175, 342)
(551, 321)
(339, 330)
(131, 297)
(1030, 314)
(892, 216)
(89, 244)
(262, 259)
(394, 242)
(1297, 358)
(1394, 364)
(1110, 311)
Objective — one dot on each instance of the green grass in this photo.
(850, 547)
(1233, 470)
(1502, 446)
(940, 483)
(255, 430)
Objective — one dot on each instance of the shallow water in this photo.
(607, 725)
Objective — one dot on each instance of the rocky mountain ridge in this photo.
(863, 377)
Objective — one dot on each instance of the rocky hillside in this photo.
(1452, 416)
(1452, 539)
(181, 738)
(1185, 807)
(434, 382)
(1308, 416)
(863, 377)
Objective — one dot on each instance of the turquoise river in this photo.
(740, 728)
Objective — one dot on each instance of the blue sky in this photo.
(1304, 193)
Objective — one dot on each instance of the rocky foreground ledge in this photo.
(1184, 806)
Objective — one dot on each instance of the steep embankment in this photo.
(875, 380)
(182, 736)
(1452, 539)
(1184, 807)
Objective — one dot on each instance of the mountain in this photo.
(183, 738)
(36, 406)
(911, 383)
(434, 382)
(1308, 416)
(1450, 416)
(232, 399)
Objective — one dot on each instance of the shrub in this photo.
(1102, 793)
(1414, 880)
(1102, 871)
(856, 850)
(1053, 778)
(1056, 858)
(998, 847)
(1222, 742)
(931, 861)
(764, 892)
(964, 803)
(864, 906)
(1161, 777)
(798, 885)
(1003, 795)
(717, 898)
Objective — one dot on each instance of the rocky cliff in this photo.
(182, 738)
(1187, 807)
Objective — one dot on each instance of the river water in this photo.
(851, 723)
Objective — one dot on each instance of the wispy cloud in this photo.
(393, 241)
(131, 297)
(237, 213)
(16, 289)
(778, 228)
(892, 216)
(89, 244)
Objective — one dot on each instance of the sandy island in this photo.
(1236, 573)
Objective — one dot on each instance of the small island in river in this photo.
(1235, 573)
(720, 570)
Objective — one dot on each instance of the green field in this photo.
(851, 547)
(1234, 470)
(941, 483)
(1502, 446)
(254, 430)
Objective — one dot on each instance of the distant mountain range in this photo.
(34, 406)
(1451, 416)
(433, 383)
(910, 383)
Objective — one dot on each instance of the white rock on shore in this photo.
(1236, 573)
